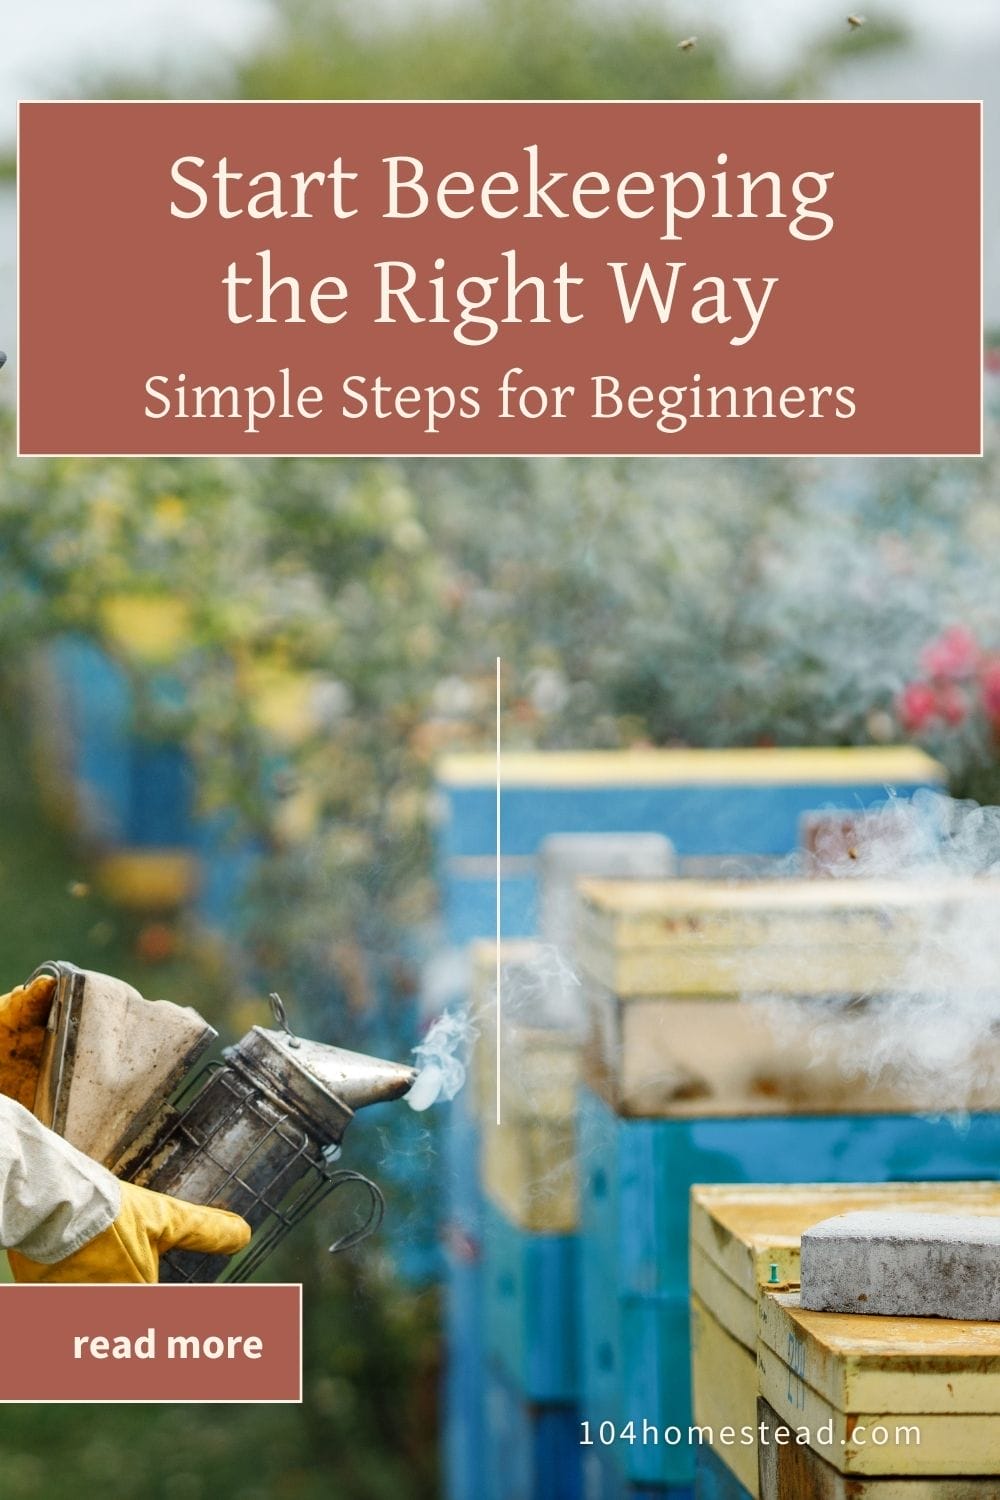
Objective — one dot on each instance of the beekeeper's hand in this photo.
(23, 1014)
(65, 1218)
(148, 1224)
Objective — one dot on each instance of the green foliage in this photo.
(500, 49)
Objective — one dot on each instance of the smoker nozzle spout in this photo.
(329, 1083)
(355, 1078)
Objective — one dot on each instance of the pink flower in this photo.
(989, 689)
(951, 703)
(916, 706)
(953, 654)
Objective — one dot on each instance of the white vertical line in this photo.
(498, 891)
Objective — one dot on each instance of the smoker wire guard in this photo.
(279, 1212)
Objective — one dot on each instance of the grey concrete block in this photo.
(904, 1265)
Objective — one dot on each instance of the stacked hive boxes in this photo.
(524, 1085)
(129, 795)
(129, 787)
(686, 1081)
(826, 1377)
(710, 805)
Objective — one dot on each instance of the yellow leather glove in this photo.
(148, 1224)
(23, 1014)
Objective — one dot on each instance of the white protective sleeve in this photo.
(53, 1198)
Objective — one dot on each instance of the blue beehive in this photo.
(462, 1454)
(530, 1304)
(713, 1481)
(635, 1182)
(128, 790)
(530, 1452)
(709, 804)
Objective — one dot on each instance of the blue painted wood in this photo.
(634, 1372)
(228, 864)
(714, 1481)
(462, 1197)
(603, 1480)
(131, 791)
(638, 1234)
(463, 1376)
(468, 907)
(529, 1289)
(531, 1451)
(711, 819)
(95, 700)
(636, 1176)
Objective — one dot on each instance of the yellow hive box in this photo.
(703, 996)
(846, 765)
(148, 879)
(744, 1242)
(528, 1160)
(853, 1377)
(724, 1392)
(790, 1471)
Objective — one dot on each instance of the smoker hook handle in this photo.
(375, 1211)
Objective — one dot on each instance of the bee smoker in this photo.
(258, 1132)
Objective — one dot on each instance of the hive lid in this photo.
(110, 1059)
(745, 1230)
(866, 765)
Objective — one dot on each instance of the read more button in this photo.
(76, 1342)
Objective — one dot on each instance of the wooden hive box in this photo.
(745, 1243)
(710, 804)
(528, 1160)
(703, 996)
(792, 1469)
(845, 1379)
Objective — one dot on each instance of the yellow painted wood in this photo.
(744, 1230)
(147, 627)
(529, 1171)
(724, 1392)
(687, 1057)
(859, 1363)
(949, 1443)
(148, 879)
(741, 767)
(732, 1308)
(281, 697)
(528, 1160)
(706, 997)
(788, 937)
(792, 1471)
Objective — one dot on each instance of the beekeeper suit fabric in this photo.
(53, 1198)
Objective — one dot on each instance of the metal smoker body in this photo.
(258, 1132)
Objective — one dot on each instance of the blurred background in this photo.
(226, 684)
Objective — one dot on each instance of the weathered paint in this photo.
(724, 1392)
(745, 1230)
(838, 1372)
(793, 1471)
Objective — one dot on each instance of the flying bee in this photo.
(687, 44)
(855, 21)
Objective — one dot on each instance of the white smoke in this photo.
(442, 1059)
(930, 1022)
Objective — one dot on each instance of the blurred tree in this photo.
(500, 49)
